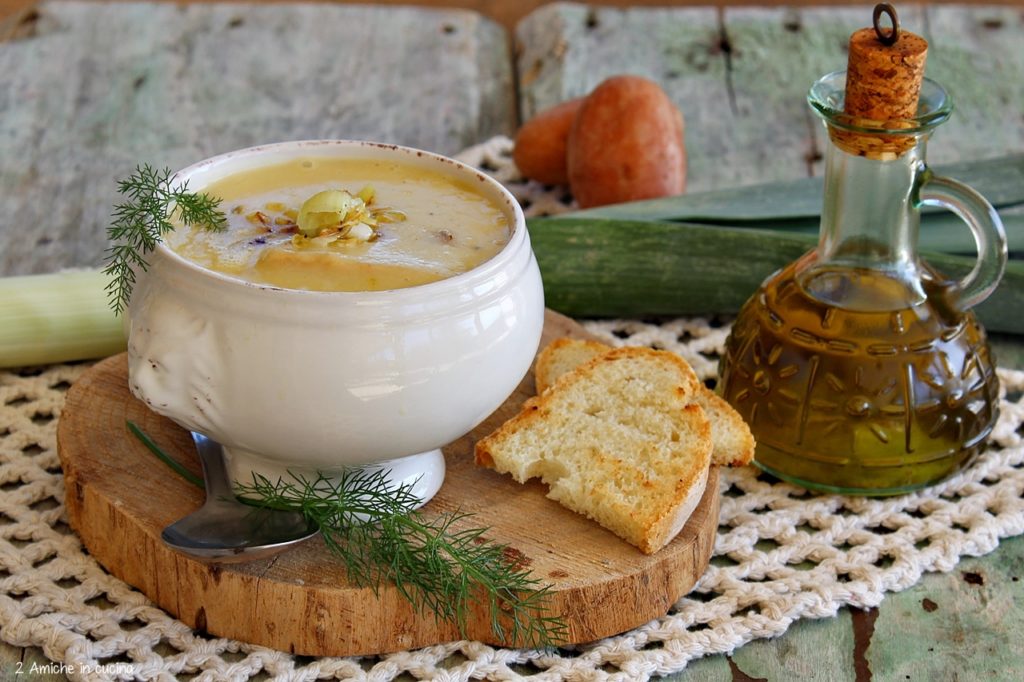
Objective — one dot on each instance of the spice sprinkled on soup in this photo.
(327, 224)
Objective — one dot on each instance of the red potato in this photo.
(540, 150)
(626, 144)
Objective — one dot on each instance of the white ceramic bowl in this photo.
(299, 381)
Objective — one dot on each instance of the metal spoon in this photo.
(226, 530)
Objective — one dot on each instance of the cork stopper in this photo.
(883, 83)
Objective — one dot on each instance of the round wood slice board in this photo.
(119, 497)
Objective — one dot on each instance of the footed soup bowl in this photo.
(296, 381)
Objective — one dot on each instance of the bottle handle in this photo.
(985, 224)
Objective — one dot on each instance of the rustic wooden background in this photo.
(509, 12)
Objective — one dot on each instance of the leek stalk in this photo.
(1000, 180)
(57, 318)
(596, 267)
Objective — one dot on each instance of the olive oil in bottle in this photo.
(853, 383)
(858, 368)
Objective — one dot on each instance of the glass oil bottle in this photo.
(858, 367)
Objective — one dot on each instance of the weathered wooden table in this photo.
(89, 90)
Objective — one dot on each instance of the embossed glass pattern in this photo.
(859, 367)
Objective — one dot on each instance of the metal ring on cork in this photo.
(894, 33)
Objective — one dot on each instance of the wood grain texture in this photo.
(775, 58)
(89, 90)
(977, 55)
(741, 76)
(798, 654)
(506, 12)
(29, 664)
(968, 620)
(119, 498)
(962, 625)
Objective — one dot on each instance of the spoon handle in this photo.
(215, 472)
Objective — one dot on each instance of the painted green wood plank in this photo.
(565, 49)
(775, 58)
(17, 664)
(964, 625)
(972, 53)
(959, 625)
(10, 661)
(180, 83)
(975, 53)
(707, 669)
(810, 651)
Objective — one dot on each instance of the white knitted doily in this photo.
(783, 554)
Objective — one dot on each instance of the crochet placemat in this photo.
(783, 554)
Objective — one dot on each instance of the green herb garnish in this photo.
(163, 456)
(441, 569)
(438, 567)
(139, 224)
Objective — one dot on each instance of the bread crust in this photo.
(558, 353)
(690, 384)
(688, 491)
(661, 514)
(734, 443)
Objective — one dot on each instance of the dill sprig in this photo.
(141, 221)
(436, 563)
(163, 456)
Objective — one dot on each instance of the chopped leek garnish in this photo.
(339, 214)
(327, 210)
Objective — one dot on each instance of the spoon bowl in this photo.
(228, 531)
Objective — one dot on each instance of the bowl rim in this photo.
(518, 238)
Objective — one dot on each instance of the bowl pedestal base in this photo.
(423, 472)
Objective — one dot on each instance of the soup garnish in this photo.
(333, 224)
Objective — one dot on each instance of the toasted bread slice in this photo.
(619, 440)
(561, 356)
(733, 442)
(731, 437)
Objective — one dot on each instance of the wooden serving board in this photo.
(119, 497)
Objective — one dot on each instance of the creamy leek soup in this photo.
(332, 224)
